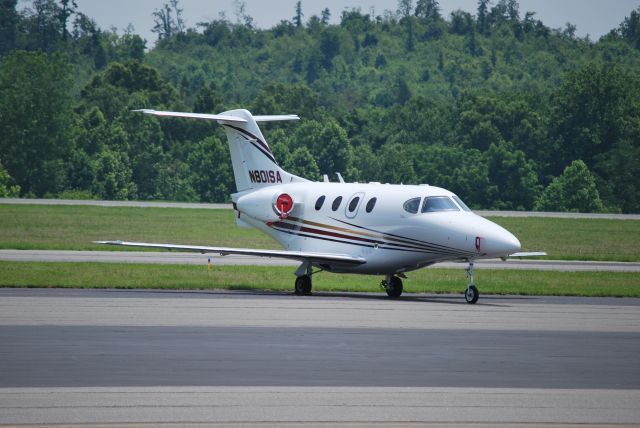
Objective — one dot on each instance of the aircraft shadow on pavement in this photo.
(409, 297)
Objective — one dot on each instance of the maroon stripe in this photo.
(372, 242)
(258, 140)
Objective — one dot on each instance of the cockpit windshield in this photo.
(462, 204)
(438, 203)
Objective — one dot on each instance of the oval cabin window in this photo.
(336, 203)
(371, 204)
(320, 202)
(354, 204)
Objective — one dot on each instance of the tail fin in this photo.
(254, 165)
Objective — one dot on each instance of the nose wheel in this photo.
(472, 294)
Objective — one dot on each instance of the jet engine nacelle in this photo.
(267, 205)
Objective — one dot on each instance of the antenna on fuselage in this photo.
(340, 179)
(325, 178)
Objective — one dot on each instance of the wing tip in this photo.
(529, 254)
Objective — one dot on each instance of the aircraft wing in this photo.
(528, 254)
(313, 257)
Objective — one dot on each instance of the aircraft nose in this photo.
(509, 244)
(500, 243)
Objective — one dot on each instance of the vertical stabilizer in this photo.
(254, 166)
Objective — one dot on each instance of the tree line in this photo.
(495, 106)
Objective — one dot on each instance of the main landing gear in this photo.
(392, 285)
(472, 294)
(303, 285)
(303, 279)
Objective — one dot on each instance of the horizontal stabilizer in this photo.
(528, 254)
(276, 117)
(329, 258)
(205, 116)
(219, 117)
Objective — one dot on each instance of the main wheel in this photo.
(303, 285)
(394, 289)
(471, 295)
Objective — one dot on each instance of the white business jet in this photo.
(373, 229)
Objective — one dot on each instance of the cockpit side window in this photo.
(412, 205)
(462, 204)
(438, 203)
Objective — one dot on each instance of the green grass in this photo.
(53, 227)
(577, 239)
(107, 275)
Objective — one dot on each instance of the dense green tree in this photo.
(429, 10)
(574, 190)
(8, 25)
(297, 19)
(8, 189)
(465, 172)
(67, 8)
(174, 182)
(483, 11)
(35, 120)
(396, 165)
(596, 118)
(302, 163)
(630, 28)
(326, 16)
(618, 179)
(113, 177)
(168, 20)
(42, 29)
(211, 171)
(514, 176)
(287, 99)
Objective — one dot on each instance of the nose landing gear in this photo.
(472, 294)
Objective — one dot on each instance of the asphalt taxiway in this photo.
(267, 359)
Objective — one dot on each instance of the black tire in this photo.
(303, 285)
(395, 288)
(471, 295)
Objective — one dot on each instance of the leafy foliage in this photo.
(574, 190)
(495, 106)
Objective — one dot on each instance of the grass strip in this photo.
(53, 227)
(577, 239)
(57, 227)
(432, 280)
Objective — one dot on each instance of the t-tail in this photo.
(254, 165)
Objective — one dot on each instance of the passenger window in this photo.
(336, 203)
(371, 204)
(354, 203)
(462, 204)
(438, 203)
(320, 202)
(412, 205)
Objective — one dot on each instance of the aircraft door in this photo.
(354, 202)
